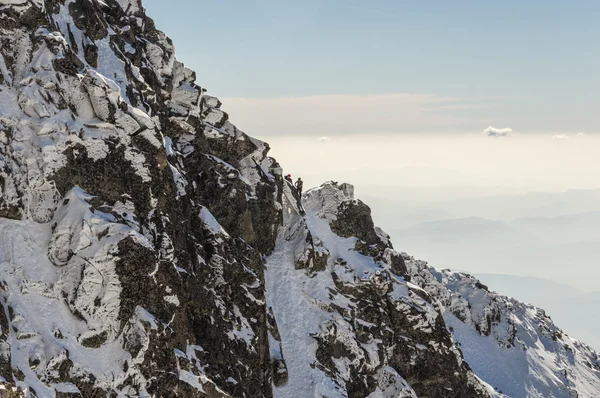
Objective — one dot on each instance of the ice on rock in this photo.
(129, 6)
(41, 310)
(211, 223)
(327, 199)
(138, 162)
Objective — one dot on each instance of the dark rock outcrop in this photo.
(354, 219)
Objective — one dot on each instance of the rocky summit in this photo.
(150, 248)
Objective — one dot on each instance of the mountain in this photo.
(150, 248)
(568, 306)
(590, 218)
(513, 346)
(538, 204)
(472, 227)
(568, 228)
(409, 206)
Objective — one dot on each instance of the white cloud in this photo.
(324, 139)
(496, 132)
(580, 134)
(333, 115)
(560, 137)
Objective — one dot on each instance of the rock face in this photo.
(114, 167)
(150, 248)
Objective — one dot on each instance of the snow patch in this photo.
(211, 222)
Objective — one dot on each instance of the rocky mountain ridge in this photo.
(150, 248)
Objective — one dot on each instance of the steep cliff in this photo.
(116, 276)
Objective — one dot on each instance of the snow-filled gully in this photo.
(295, 313)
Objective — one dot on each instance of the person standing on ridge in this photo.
(288, 178)
(298, 185)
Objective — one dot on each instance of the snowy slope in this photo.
(513, 346)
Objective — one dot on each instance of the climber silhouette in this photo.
(296, 189)
(299, 184)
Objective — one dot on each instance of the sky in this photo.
(532, 66)
(425, 94)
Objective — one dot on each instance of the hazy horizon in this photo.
(516, 164)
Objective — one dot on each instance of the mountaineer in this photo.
(298, 185)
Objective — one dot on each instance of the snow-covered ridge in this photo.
(513, 346)
(368, 331)
(514, 349)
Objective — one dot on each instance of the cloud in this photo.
(324, 139)
(560, 137)
(333, 115)
(580, 134)
(496, 132)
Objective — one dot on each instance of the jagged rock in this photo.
(397, 264)
(354, 219)
(533, 352)
(132, 251)
(313, 256)
(366, 321)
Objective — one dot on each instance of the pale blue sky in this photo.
(533, 66)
